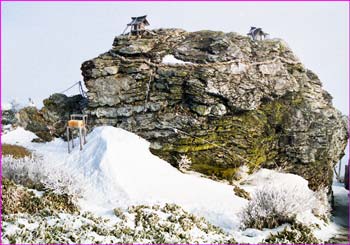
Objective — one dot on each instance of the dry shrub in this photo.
(15, 151)
(296, 234)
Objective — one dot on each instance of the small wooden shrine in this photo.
(137, 25)
(257, 33)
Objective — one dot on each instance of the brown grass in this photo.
(15, 150)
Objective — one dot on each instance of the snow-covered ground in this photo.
(341, 204)
(120, 171)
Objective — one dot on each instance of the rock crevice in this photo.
(228, 101)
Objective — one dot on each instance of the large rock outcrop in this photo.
(51, 120)
(232, 102)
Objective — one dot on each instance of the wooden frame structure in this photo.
(137, 25)
(257, 34)
(79, 122)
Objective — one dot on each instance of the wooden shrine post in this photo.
(79, 122)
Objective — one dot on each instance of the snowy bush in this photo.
(322, 207)
(15, 105)
(166, 224)
(19, 199)
(184, 162)
(33, 172)
(274, 205)
(22, 171)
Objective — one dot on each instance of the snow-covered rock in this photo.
(169, 59)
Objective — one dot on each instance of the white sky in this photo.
(44, 44)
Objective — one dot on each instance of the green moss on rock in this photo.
(273, 112)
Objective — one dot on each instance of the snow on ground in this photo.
(341, 203)
(19, 136)
(326, 231)
(338, 228)
(169, 59)
(120, 171)
(254, 236)
(270, 177)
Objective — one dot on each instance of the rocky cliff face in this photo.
(232, 102)
(50, 121)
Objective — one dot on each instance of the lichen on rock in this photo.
(237, 102)
(232, 102)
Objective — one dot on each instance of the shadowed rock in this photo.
(51, 120)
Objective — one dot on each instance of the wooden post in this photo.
(72, 133)
(68, 139)
(85, 132)
(80, 139)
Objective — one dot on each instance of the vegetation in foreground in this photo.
(39, 207)
(15, 151)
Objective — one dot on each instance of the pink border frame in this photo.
(160, 1)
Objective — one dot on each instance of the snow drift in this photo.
(120, 166)
(118, 170)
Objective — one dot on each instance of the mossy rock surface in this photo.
(235, 102)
